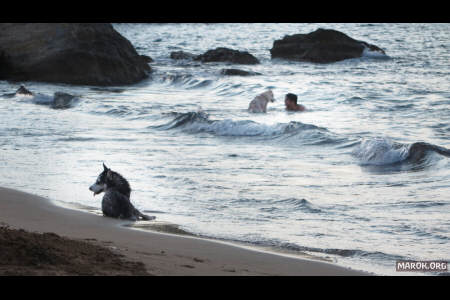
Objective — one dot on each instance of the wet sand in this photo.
(160, 253)
(40, 254)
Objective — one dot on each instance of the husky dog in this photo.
(259, 103)
(116, 201)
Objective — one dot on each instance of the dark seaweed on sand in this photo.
(28, 253)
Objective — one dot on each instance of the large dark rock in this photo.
(320, 46)
(227, 55)
(146, 58)
(238, 72)
(181, 55)
(91, 54)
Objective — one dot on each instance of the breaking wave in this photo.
(199, 122)
(342, 252)
(188, 81)
(299, 204)
(355, 253)
(382, 151)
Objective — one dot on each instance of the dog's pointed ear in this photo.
(109, 175)
(105, 168)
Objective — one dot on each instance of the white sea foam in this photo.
(374, 54)
(236, 128)
(42, 99)
(380, 151)
(57, 100)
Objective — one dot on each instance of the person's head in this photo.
(290, 99)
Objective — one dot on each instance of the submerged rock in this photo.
(62, 100)
(181, 55)
(23, 91)
(237, 72)
(227, 55)
(74, 53)
(320, 46)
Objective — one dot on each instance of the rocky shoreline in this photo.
(96, 54)
(320, 46)
(74, 53)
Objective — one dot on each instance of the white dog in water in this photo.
(259, 104)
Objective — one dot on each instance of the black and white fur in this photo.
(116, 201)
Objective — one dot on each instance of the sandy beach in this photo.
(162, 254)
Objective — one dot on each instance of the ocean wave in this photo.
(355, 100)
(394, 108)
(185, 80)
(199, 122)
(129, 111)
(277, 244)
(120, 111)
(299, 204)
(76, 139)
(343, 252)
(382, 151)
(425, 204)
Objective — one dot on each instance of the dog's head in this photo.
(100, 184)
(269, 96)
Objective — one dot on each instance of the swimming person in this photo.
(291, 103)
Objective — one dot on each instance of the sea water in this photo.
(335, 181)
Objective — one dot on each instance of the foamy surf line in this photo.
(154, 225)
(165, 227)
(163, 254)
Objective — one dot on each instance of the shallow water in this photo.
(334, 181)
